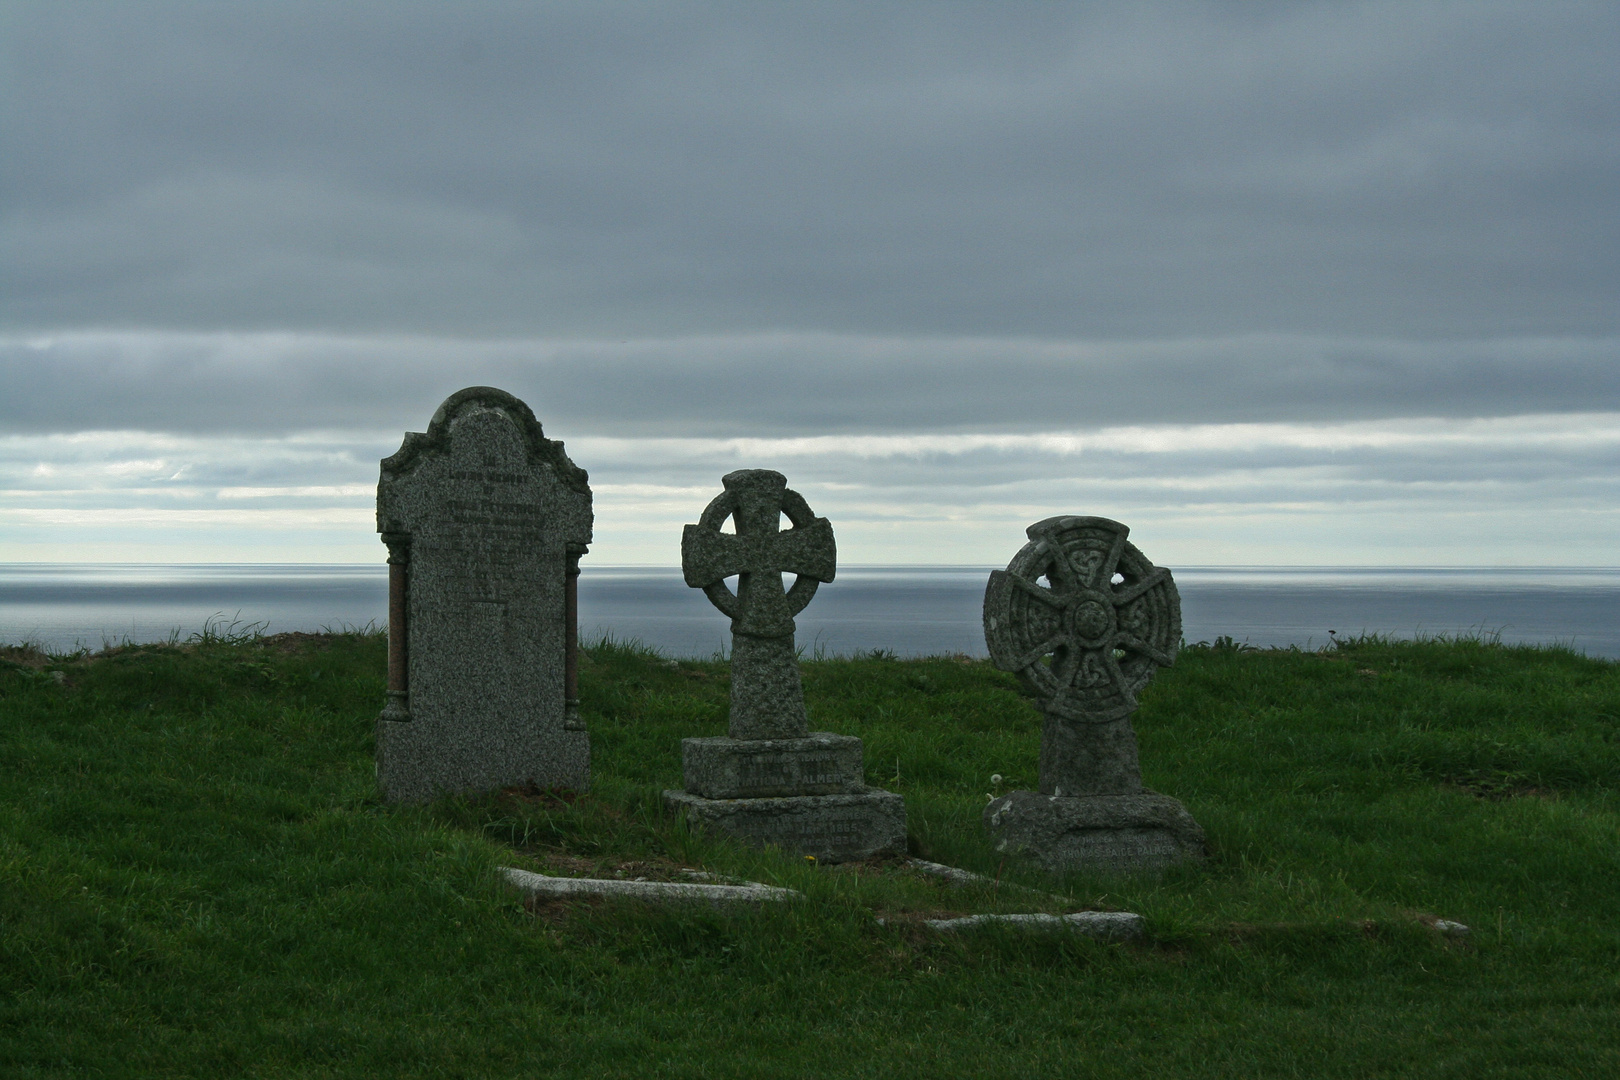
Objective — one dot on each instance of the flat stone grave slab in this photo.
(661, 892)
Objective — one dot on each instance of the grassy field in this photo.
(197, 879)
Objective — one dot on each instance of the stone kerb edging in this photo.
(540, 885)
(1108, 925)
(1104, 925)
(1112, 925)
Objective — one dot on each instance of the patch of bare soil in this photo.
(878, 865)
(297, 641)
(1499, 789)
(550, 798)
(556, 910)
(558, 862)
(24, 656)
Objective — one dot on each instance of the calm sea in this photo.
(908, 610)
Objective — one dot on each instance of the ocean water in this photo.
(911, 611)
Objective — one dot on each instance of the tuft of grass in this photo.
(197, 877)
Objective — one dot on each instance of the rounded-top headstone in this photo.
(486, 517)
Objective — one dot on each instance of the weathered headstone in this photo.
(1085, 620)
(485, 520)
(773, 780)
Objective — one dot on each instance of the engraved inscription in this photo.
(775, 770)
(830, 828)
(488, 477)
(835, 828)
(726, 768)
(489, 545)
(1124, 849)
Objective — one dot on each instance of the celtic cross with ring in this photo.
(767, 698)
(758, 553)
(1089, 639)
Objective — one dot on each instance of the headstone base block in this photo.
(1120, 834)
(416, 764)
(819, 764)
(833, 828)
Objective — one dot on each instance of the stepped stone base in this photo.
(1111, 833)
(819, 764)
(833, 828)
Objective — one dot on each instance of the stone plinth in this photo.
(1144, 831)
(833, 828)
(773, 782)
(819, 764)
(485, 520)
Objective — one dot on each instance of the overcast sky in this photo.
(1301, 283)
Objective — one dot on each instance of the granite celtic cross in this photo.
(767, 700)
(772, 782)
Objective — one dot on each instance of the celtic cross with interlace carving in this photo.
(1084, 620)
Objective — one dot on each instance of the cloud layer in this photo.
(1534, 490)
(1157, 170)
(784, 384)
(1274, 282)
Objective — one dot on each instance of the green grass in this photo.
(197, 879)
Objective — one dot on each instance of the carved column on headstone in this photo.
(398, 706)
(1084, 620)
(571, 717)
(771, 780)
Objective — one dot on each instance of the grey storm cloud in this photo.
(1393, 171)
(785, 384)
(1302, 282)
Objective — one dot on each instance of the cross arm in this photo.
(709, 556)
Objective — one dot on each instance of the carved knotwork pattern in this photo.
(1082, 643)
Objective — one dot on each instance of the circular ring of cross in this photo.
(798, 512)
(1089, 639)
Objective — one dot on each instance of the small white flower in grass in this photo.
(995, 778)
